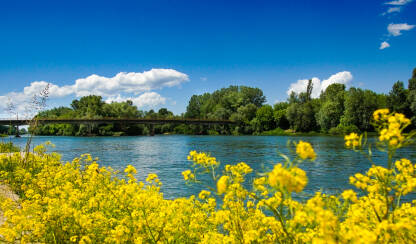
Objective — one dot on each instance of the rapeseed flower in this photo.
(305, 150)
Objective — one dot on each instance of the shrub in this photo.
(8, 147)
(343, 129)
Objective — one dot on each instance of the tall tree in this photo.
(264, 116)
(332, 107)
(397, 100)
(411, 99)
(302, 109)
(359, 107)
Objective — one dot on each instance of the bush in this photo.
(275, 132)
(343, 129)
(8, 147)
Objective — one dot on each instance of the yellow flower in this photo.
(130, 170)
(352, 140)
(292, 179)
(187, 175)
(151, 177)
(349, 195)
(222, 184)
(204, 194)
(305, 150)
(380, 114)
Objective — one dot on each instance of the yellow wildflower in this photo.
(130, 170)
(187, 175)
(352, 140)
(204, 194)
(305, 150)
(222, 184)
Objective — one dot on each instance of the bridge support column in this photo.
(17, 131)
(151, 130)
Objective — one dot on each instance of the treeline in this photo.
(336, 111)
(10, 130)
(93, 107)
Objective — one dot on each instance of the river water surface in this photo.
(166, 155)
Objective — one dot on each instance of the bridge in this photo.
(41, 121)
(18, 122)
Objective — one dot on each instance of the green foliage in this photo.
(265, 118)
(359, 106)
(343, 129)
(336, 111)
(94, 107)
(275, 132)
(397, 99)
(279, 115)
(302, 109)
(8, 147)
(332, 107)
(236, 103)
(411, 99)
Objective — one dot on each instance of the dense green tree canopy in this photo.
(337, 110)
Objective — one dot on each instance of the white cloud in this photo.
(300, 86)
(344, 77)
(54, 91)
(111, 88)
(149, 99)
(129, 82)
(395, 29)
(393, 10)
(145, 100)
(384, 45)
(398, 2)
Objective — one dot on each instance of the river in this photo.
(166, 156)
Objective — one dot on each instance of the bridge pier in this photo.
(151, 130)
(17, 134)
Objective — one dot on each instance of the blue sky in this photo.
(199, 46)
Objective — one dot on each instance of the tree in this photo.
(264, 116)
(89, 106)
(359, 107)
(279, 115)
(332, 107)
(397, 100)
(302, 109)
(411, 98)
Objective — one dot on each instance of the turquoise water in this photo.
(166, 155)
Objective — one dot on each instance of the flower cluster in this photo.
(352, 140)
(81, 202)
(305, 150)
(292, 179)
(390, 126)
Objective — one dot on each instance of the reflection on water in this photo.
(166, 156)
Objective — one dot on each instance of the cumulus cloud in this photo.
(300, 86)
(319, 86)
(384, 45)
(149, 99)
(128, 82)
(396, 29)
(54, 91)
(145, 100)
(109, 87)
(398, 2)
